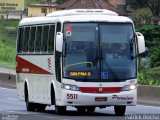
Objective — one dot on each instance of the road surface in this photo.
(13, 109)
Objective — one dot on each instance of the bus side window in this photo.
(32, 39)
(38, 39)
(20, 39)
(26, 39)
(44, 38)
(58, 28)
(51, 38)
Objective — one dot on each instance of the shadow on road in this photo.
(76, 113)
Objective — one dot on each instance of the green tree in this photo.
(152, 37)
(60, 1)
(153, 5)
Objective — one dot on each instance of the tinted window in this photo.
(51, 38)
(20, 39)
(44, 38)
(32, 39)
(26, 39)
(38, 39)
(102, 54)
(58, 29)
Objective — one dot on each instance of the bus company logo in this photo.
(115, 97)
(49, 63)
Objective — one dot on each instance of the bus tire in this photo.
(120, 110)
(91, 109)
(29, 106)
(40, 107)
(81, 109)
(60, 110)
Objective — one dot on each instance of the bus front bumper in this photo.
(77, 98)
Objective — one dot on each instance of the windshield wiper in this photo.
(90, 68)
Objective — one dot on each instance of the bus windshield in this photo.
(99, 52)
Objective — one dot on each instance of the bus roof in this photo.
(82, 12)
(77, 15)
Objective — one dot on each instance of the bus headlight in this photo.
(129, 87)
(132, 87)
(70, 87)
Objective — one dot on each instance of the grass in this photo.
(8, 65)
(7, 44)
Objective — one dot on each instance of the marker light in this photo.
(70, 87)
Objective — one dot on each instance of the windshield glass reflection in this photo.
(98, 52)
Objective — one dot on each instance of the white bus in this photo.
(85, 58)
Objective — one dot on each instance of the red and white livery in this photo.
(80, 58)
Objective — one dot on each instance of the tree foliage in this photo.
(60, 1)
(152, 37)
(149, 76)
(153, 5)
(136, 3)
(151, 32)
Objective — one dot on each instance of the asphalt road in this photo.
(13, 109)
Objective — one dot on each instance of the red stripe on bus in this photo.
(100, 90)
(24, 66)
(112, 89)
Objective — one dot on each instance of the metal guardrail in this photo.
(149, 95)
(7, 79)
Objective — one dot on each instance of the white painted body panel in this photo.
(39, 86)
(88, 99)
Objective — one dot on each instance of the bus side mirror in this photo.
(59, 41)
(141, 43)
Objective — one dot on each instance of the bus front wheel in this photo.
(120, 110)
(40, 107)
(60, 109)
(91, 109)
(81, 109)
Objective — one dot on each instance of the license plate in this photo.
(99, 99)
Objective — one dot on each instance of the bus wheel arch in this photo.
(29, 106)
(58, 109)
(25, 91)
(91, 109)
(52, 94)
